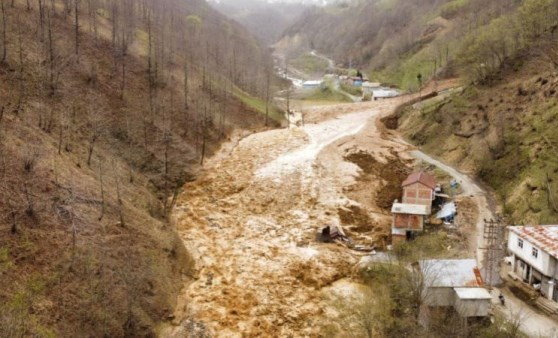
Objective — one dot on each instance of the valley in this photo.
(253, 219)
(296, 168)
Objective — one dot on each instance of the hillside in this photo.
(394, 40)
(106, 109)
(266, 20)
(502, 125)
(505, 134)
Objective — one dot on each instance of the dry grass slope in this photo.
(86, 174)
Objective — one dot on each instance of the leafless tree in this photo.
(95, 131)
(4, 32)
(102, 188)
(118, 195)
(21, 69)
(76, 28)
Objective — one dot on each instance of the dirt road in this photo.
(469, 188)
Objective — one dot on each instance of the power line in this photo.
(493, 251)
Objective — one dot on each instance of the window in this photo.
(535, 252)
(520, 243)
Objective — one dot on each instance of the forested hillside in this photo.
(502, 126)
(106, 108)
(394, 40)
(265, 20)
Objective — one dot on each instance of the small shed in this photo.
(472, 302)
(418, 188)
(457, 283)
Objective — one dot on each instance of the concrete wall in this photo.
(439, 296)
(472, 307)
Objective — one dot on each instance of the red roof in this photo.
(420, 177)
(545, 237)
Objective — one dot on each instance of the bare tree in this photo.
(268, 74)
(118, 195)
(365, 312)
(95, 132)
(76, 28)
(21, 86)
(102, 188)
(4, 32)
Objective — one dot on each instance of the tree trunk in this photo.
(123, 82)
(76, 28)
(51, 57)
(4, 39)
(102, 190)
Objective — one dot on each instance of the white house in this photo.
(456, 283)
(312, 84)
(534, 251)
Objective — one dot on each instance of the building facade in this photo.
(418, 188)
(534, 251)
(455, 283)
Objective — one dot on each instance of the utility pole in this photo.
(493, 251)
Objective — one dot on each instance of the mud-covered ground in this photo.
(252, 220)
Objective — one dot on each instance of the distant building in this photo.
(369, 87)
(454, 283)
(534, 251)
(384, 93)
(312, 84)
(419, 188)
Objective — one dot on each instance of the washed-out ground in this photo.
(251, 223)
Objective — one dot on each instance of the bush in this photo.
(452, 8)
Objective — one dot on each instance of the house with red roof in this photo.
(419, 188)
(534, 251)
(409, 215)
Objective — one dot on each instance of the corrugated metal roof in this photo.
(449, 209)
(421, 177)
(544, 237)
(451, 273)
(410, 209)
(472, 293)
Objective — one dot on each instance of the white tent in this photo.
(448, 210)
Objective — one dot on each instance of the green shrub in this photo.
(453, 8)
